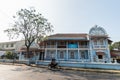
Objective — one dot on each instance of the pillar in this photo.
(67, 52)
(20, 56)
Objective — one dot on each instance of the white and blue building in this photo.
(91, 47)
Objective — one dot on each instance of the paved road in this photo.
(11, 72)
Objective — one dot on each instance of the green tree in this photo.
(116, 45)
(111, 47)
(31, 25)
(9, 55)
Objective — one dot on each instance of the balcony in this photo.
(42, 47)
(61, 46)
(99, 46)
(51, 46)
(83, 46)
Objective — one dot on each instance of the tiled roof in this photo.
(69, 35)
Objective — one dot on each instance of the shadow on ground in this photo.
(71, 74)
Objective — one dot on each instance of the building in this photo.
(82, 47)
(12, 46)
(19, 48)
(115, 55)
(92, 47)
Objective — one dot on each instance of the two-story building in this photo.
(12, 46)
(92, 47)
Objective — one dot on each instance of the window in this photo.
(48, 43)
(95, 42)
(12, 45)
(7, 45)
(2, 45)
(84, 54)
(101, 42)
(61, 55)
(52, 43)
(72, 55)
(52, 55)
(100, 57)
(83, 43)
(62, 43)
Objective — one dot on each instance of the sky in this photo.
(67, 16)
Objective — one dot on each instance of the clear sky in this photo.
(67, 16)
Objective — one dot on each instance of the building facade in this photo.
(12, 46)
(92, 47)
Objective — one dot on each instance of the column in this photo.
(56, 52)
(90, 47)
(78, 53)
(67, 51)
(108, 52)
(45, 53)
(20, 56)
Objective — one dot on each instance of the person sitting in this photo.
(53, 64)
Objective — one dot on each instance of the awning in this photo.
(100, 53)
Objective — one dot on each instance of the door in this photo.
(41, 56)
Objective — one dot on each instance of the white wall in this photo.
(2, 53)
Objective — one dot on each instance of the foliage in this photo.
(10, 55)
(111, 47)
(31, 25)
(115, 45)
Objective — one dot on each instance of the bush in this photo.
(9, 55)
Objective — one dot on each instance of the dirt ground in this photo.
(12, 72)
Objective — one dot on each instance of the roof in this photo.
(94, 36)
(69, 35)
(115, 53)
(10, 42)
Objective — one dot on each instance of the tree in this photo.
(31, 25)
(9, 55)
(111, 47)
(116, 45)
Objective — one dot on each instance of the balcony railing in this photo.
(61, 46)
(51, 46)
(64, 46)
(99, 46)
(83, 46)
(41, 47)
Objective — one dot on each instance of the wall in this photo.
(113, 66)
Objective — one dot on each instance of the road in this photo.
(12, 72)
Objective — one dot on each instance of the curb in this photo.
(83, 69)
(70, 68)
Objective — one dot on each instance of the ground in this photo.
(23, 72)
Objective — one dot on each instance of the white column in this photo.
(67, 52)
(56, 52)
(90, 47)
(20, 56)
(45, 53)
(78, 53)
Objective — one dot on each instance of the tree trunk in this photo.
(28, 56)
